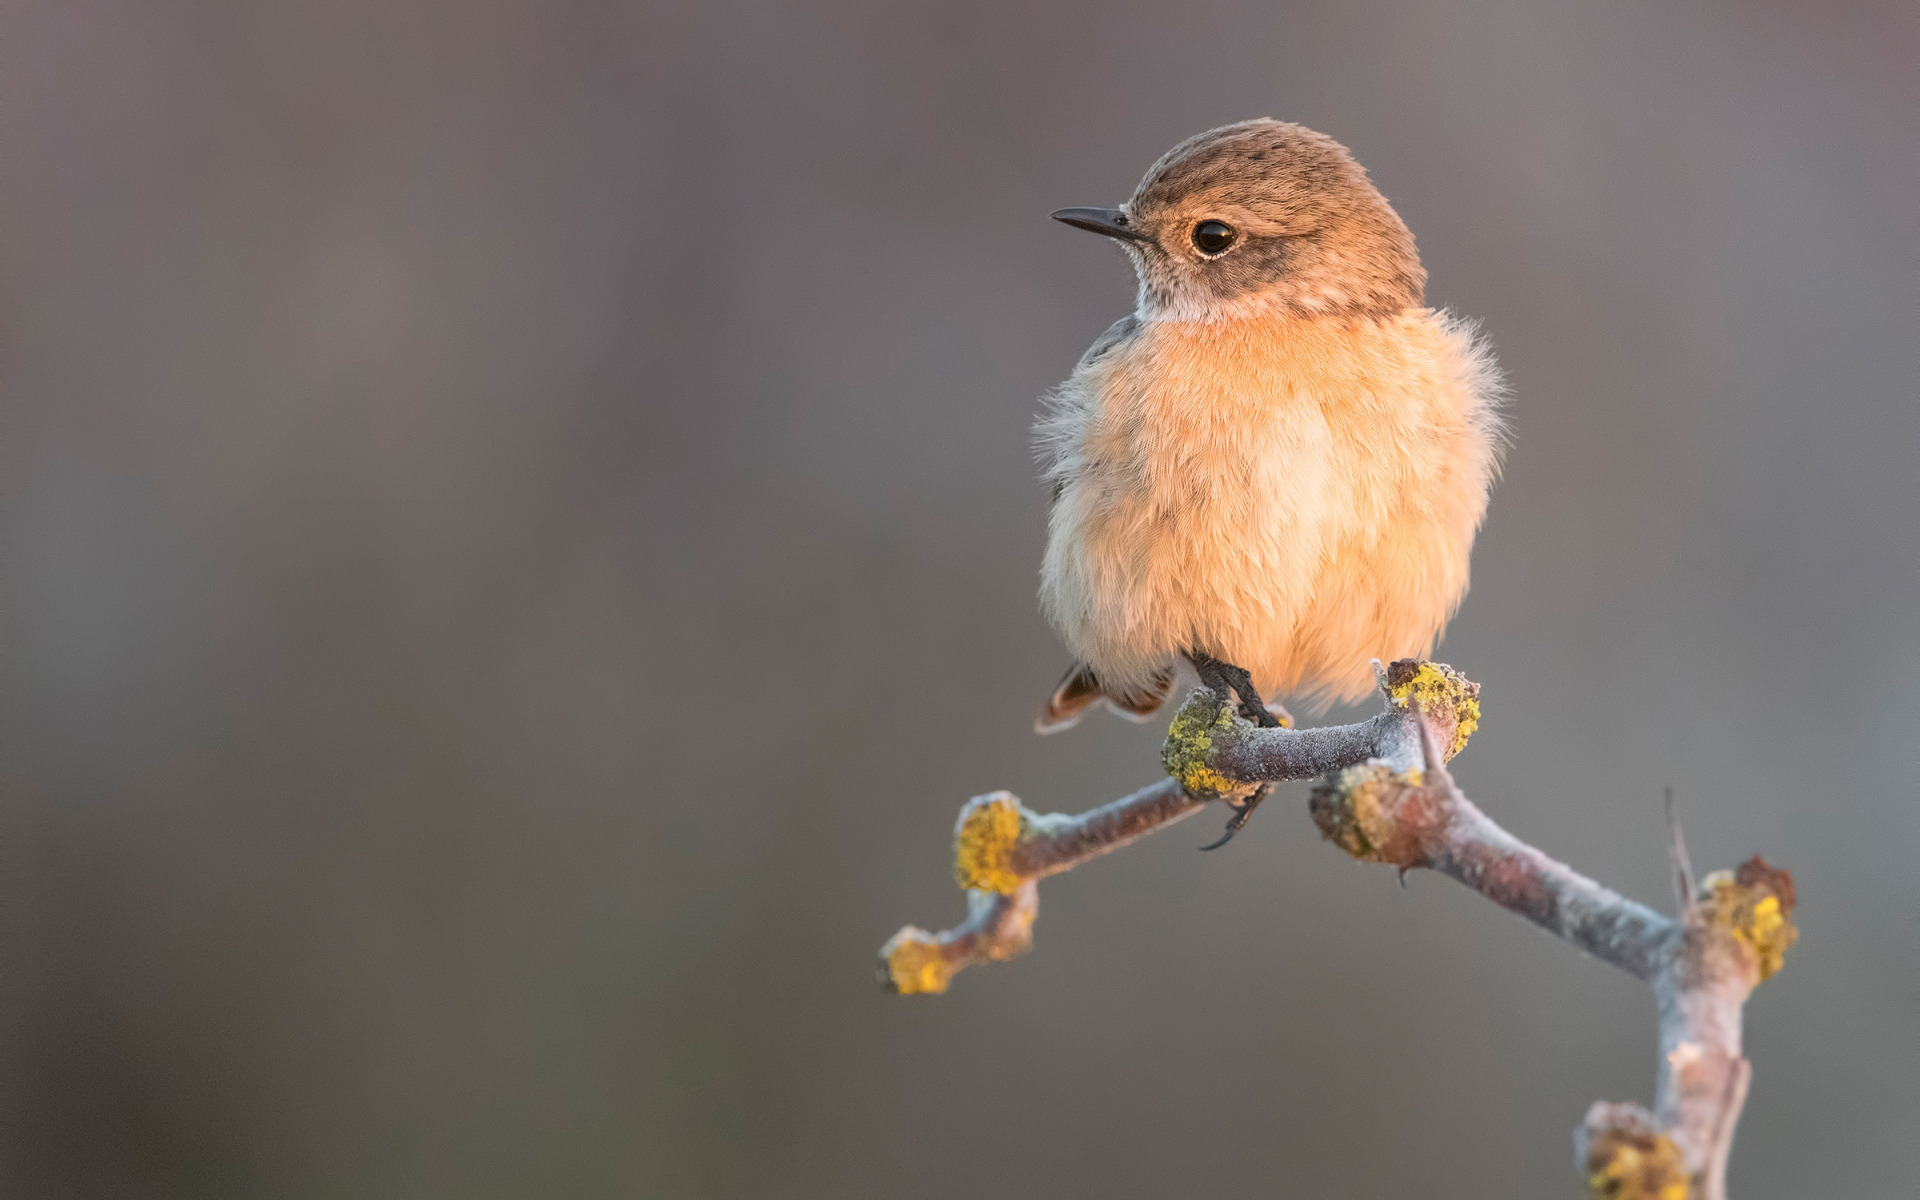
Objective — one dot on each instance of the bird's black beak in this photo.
(1109, 221)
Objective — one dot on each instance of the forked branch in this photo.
(1384, 794)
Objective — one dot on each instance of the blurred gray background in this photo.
(517, 534)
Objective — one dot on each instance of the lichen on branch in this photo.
(1189, 746)
(1626, 1157)
(1446, 698)
(989, 828)
(1754, 905)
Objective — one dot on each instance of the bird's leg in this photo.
(1233, 682)
(1236, 684)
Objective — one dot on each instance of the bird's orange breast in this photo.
(1294, 496)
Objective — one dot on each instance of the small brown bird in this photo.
(1274, 468)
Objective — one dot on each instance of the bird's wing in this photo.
(1064, 419)
(1118, 333)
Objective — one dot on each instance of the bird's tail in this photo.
(1081, 689)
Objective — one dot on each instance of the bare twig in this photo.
(1384, 794)
(998, 926)
(1682, 865)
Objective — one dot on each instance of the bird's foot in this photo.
(1233, 682)
(1235, 685)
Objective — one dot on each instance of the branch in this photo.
(1418, 818)
(1384, 794)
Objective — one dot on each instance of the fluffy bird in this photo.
(1274, 468)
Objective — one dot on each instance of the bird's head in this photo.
(1261, 217)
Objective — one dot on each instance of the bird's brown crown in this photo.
(1267, 216)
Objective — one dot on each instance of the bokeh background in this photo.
(517, 534)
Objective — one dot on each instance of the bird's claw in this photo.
(1242, 812)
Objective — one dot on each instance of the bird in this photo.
(1271, 472)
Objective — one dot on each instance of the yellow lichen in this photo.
(990, 827)
(914, 964)
(1755, 905)
(1446, 697)
(1190, 740)
(1626, 1165)
(1353, 808)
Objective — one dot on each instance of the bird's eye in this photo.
(1213, 237)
